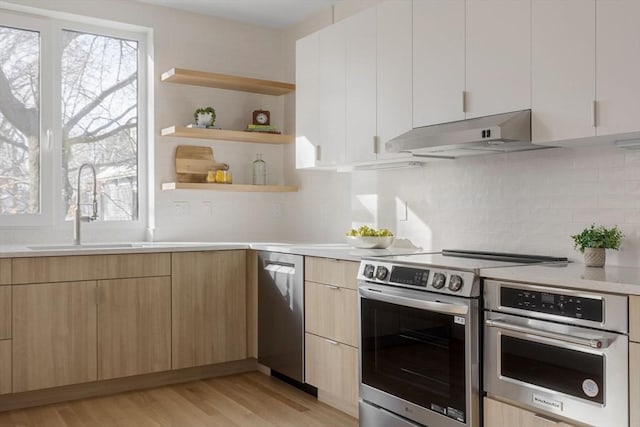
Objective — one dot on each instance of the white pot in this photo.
(594, 257)
(204, 119)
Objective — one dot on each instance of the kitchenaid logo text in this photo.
(555, 405)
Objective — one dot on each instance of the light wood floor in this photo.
(251, 399)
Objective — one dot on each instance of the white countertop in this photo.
(610, 279)
(337, 251)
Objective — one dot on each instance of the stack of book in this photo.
(262, 128)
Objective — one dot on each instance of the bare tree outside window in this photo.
(98, 96)
(19, 121)
(100, 120)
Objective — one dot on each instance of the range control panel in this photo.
(553, 303)
(440, 280)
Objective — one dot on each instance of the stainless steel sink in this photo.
(71, 246)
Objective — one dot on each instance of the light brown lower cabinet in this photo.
(208, 292)
(332, 367)
(54, 335)
(134, 326)
(500, 414)
(5, 312)
(5, 366)
(332, 312)
(634, 384)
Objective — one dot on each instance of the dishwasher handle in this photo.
(595, 342)
(422, 304)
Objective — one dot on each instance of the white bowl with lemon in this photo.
(368, 238)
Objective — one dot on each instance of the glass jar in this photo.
(259, 171)
(223, 176)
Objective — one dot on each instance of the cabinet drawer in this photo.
(5, 312)
(5, 271)
(331, 312)
(331, 271)
(634, 318)
(332, 367)
(78, 268)
(5, 366)
(500, 414)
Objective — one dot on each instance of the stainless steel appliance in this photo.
(419, 337)
(281, 313)
(561, 352)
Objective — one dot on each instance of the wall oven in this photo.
(561, 352)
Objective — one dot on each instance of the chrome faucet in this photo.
(79, 218)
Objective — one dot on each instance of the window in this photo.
(69, 94)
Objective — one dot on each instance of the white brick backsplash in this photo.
(529, 202)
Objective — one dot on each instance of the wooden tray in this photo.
(194, 162)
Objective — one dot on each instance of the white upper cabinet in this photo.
(394, 66)
(438, 61)
(563, 69)
(360, 31)
(498, 56)
(331, 95)
(617, 66)
(307, 105)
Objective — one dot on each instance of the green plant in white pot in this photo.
(593, 241)
(205, 116)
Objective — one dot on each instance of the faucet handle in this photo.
(95, 211)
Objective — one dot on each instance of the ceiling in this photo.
(271, 13)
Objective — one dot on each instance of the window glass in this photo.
(99, 105)
(19, 121)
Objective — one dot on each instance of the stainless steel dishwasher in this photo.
(281, 313)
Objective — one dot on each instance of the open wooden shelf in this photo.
(246, 188)
(226, 81)
(227, 135)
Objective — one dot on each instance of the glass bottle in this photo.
(259, 171)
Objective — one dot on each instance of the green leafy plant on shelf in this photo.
(206, 111)
(598, 237)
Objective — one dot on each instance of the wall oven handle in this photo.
(436, 306)
(598, 343)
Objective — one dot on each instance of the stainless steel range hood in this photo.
(500, 133)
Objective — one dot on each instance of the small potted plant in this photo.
(594, 240)
(205, 116)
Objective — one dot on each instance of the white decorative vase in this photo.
(594, 257)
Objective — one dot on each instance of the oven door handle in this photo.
(596, 342)
(435, 306)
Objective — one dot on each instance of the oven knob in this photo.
(455, 283)
(382, 272)
(438, 280)
(369, 271)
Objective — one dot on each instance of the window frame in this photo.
(51, 202)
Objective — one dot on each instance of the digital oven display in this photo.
(409, 276)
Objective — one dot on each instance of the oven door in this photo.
(577, 373)
(419, 355)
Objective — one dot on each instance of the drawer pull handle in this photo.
(332, 341)
(546, 419)
(335, 288)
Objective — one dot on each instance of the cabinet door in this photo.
(498, 57)
(617, 66)
(438, 61)
(360, 34)
(5, 366)
(54, 335)
(208, 308)
(395, 76)
(307, 106)
(331, 95)
(332, 367)
(500, 414)
(5, 271)
(634, 383)
(5, 312)
(331, 312)
(634, 318)
(563, 69)
(134, 326)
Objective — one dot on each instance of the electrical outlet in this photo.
(276, 210)
(181, 208)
